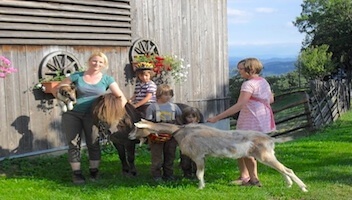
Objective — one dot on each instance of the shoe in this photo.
(94, 174)
(78, 178)
(252, 183)
(240, 181)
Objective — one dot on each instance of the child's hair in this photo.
(150, 71)
(101, 54)
(164, 90)
(251, 65)
(191, 111)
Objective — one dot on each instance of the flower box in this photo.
(48, 87)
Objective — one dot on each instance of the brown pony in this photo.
(107, 108)
(114, 123)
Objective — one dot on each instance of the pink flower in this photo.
(5, 67)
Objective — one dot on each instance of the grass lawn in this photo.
(323, 161)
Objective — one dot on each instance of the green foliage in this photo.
(287, 82)
(315, 62)
(322, 160)
(58, 77)
(328, 22)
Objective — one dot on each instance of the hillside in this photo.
(272, 66)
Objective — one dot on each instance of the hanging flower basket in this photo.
(166, 67)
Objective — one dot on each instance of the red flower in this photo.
(168, 68)
(158, 69)
(159, 58)
(160, 64)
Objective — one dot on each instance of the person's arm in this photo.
(115, 89)
(241, 101)
(272, 98)
(149, 113)
(132, 98)
(144, 101)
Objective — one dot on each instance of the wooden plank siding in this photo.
(65, 22)
(193, 30)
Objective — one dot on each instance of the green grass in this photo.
(323, 161)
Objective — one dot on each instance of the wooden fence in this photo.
(301, 112)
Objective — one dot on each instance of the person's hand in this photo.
(212, 120)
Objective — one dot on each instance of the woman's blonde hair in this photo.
(164, 90)
(251, 65)
(102, 55)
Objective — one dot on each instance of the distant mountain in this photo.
(272, 66)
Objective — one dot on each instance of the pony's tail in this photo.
(109, 109)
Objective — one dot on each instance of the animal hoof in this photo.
(201, 186)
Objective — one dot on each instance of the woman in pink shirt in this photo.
(255, 113)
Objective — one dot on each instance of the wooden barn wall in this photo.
(65, 22)
(194, 30)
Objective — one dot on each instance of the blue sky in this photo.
(263, 28)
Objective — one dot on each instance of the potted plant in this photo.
(48, 84)
(164, 66)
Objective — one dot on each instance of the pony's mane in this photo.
(109, 109)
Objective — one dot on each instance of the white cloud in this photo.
(235, 12)
(265, 10)
(235, 16)
(254, 26)
(260, 42)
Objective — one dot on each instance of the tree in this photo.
(315, 62)
(287, 82)
(328, 22)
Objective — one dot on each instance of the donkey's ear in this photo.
(138, 125)
(141, 125)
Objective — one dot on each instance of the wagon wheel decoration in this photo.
(58, 63)
(143, 47)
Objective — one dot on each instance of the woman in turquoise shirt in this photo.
(90, 84)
